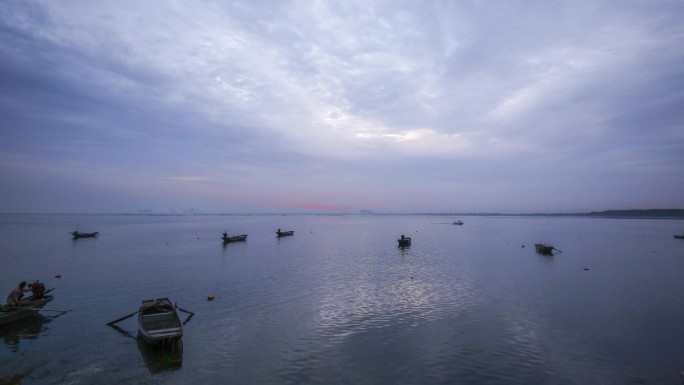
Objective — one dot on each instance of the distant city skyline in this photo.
(314, 107)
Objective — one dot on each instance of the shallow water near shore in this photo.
(339, 302)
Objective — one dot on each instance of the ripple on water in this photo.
(340, 303)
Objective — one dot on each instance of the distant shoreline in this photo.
(626, 214)
(618, 214)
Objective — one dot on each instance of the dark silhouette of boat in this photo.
(404, 241)
(76, 234)
(680, 236)
(233, 238)
(544, 249)
(284, 233)
(459, 222)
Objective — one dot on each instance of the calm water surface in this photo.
(340, 303)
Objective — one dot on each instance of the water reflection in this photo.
(162, 358)
(26, 328)
(347, 306)
(407, 292)
(157, 357)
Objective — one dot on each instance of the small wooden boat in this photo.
(544, 248)
(458, 222)
(158, 321)
(29, 307)
(680, 236)
(404, 241)
(233, 238)
(77, 234)
(284, 233)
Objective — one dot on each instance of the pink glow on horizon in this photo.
(379, 206)
(333, 207)
(322, 206)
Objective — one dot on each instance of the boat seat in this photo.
(165, 331)
(157, 315)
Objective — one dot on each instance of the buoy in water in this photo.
(210, 298)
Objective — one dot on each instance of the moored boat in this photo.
(233, 238)
(158, 321)
(404, 241)
(284, 233)
(680, 236)
(77, 234)
(544, 248)
(29, 306)
(459, 222)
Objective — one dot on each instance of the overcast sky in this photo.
(338, 106)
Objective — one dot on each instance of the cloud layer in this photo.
(319, 105)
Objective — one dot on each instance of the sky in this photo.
(258, 106)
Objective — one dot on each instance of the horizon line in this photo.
(674, 213)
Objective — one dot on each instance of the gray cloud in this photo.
(271, 106)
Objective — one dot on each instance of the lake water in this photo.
(340, 303)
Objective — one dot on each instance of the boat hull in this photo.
(77, 235)
(543, 249)
(29, 307)
(284, 233)
(404, 242)
(234, 238)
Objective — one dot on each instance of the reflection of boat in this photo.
(77, 234)
(161, 358)
(158, 321)
(233, 238)
(284, 233)
(544, 248)
(29, 328)
(459, 222)
(404, 241)
(29, 305)
(680, 236)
